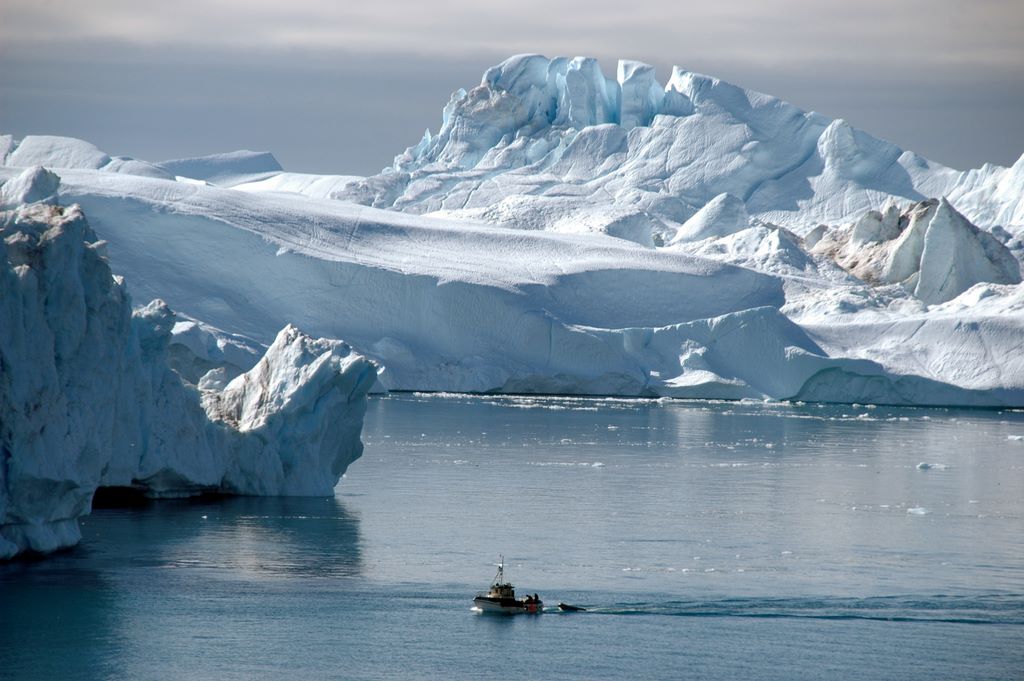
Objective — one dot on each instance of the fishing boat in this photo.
(501, 597)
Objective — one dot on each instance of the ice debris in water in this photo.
(925, 466)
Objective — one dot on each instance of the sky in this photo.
(336, 86)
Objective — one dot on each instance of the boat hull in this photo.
(508, 606)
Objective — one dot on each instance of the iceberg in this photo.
(88, 398)
(566, 232)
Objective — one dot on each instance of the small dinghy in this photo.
(501, 597)
(565, 607)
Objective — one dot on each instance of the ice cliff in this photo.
(87, 398)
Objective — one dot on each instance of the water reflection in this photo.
(248, 537)
(241, 537)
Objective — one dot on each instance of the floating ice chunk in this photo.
(925, 466)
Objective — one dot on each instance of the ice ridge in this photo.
(542, 139)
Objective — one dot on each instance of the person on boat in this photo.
(536, 598)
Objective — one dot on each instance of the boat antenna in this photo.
(501, 569)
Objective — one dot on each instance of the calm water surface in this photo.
(709, 540)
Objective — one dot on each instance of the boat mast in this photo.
(500, 577)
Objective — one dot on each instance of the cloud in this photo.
(934, 32)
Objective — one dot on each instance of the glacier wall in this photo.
(87, 398)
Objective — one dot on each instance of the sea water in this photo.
(707, 541)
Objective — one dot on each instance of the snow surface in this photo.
(67, 152)
(313, 186)
(567, 232)
(224, 169)
(87, 397)
(721, 216)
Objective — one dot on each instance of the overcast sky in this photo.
(338, 86)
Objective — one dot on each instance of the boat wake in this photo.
(989, 609)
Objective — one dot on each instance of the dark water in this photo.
(710, 541)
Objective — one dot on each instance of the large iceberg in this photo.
(568, 232)
(464, 306)
(88, 399)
